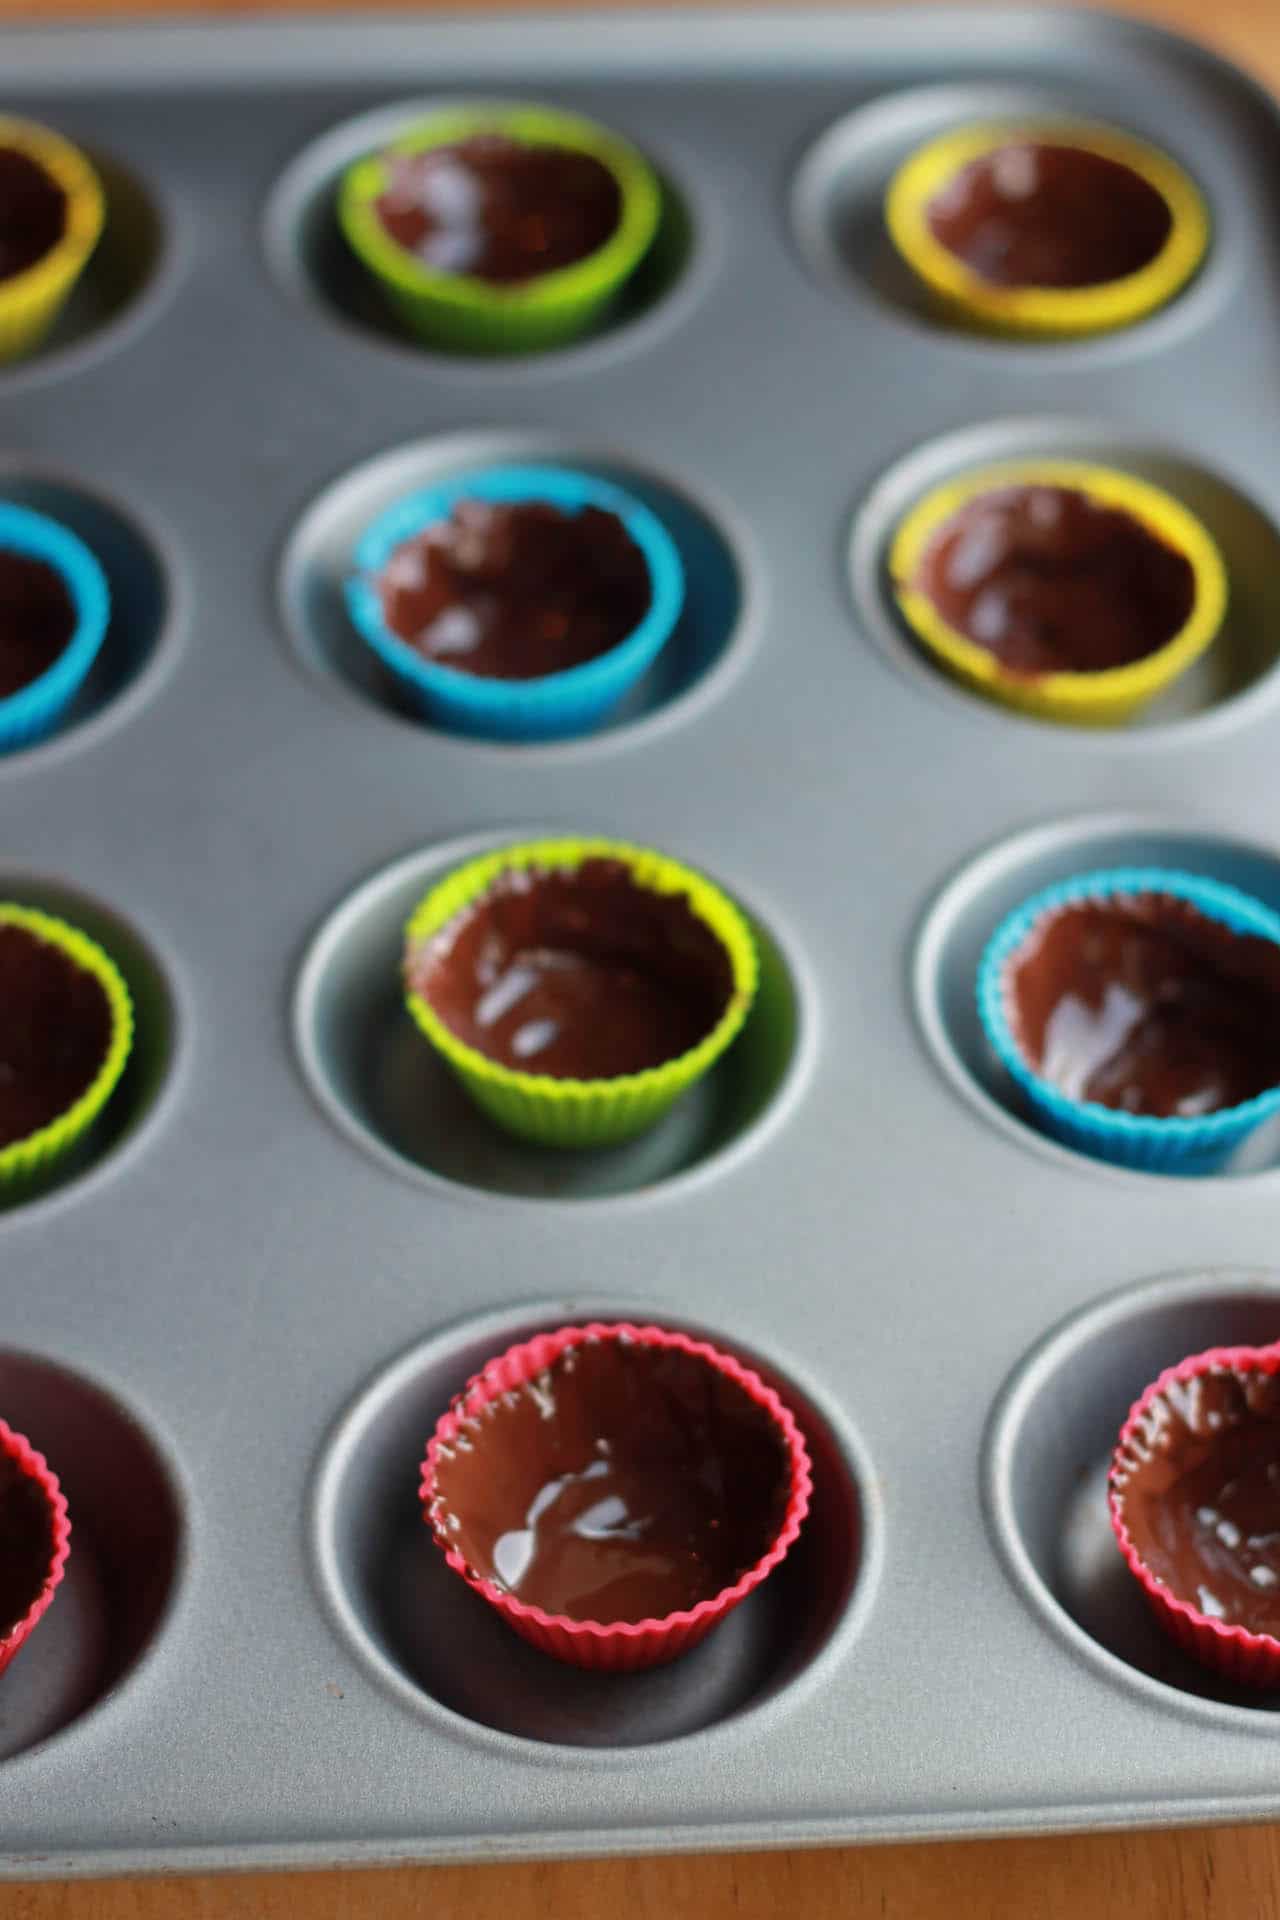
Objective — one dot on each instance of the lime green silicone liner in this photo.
(1064, 311)
(30, 301)
(1114, 694)
(465, 312)
(25, 1162)
(583, 1113)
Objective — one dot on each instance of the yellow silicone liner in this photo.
(1045, 310)
(25, 1161)
(1082, 699)
(583, 1113)
(30, 301)
(466, 312)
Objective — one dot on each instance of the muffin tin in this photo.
(232, 1331)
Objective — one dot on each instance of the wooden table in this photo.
(1225, 1872)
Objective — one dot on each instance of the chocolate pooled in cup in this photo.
(1040, 214)
(499, 209)
(1048, 580)
(580, 973)
(625, 1482)
(1145, 1005)
(516, 591)
(1197, 1485)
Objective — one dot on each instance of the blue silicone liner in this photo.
(1175, 1145)
(558, 704)
(35, 710)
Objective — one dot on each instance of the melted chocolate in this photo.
(1199, 1489)
(497, 209)
(33, 213)
(26, 1543)
(516, 592)
(55, 1029)
(579, 974)
(623, 1483)
(1032, 214)
(1050, 582)
(1147, 1006)
(37, 619)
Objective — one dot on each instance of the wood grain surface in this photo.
(1229, 1873)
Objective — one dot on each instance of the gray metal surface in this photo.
(256, 1302)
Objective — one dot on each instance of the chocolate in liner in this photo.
(33, 212)
(1049, 581)
(580, 973)
(26, 1543)
(513, 591)
(1198, 1487)
(55, 1032)
(1144, 1004)
(1036, 213)
(37, 619)
(499, 209)
(623, 1483)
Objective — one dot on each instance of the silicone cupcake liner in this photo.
(555, 705)
(620, 1646)
(582, 1113)
(24, 1163)
(35, 710)
(1251, 1659)
(31, 301)
(24, 1456)
(1174, 1145)
(1105, 698)
(1044, 310)
(472, 315)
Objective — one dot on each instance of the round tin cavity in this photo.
(440, 1645)
(370, 1072)
(709, 636)
(127, 1534)
(972, 905)
(1046, 1456)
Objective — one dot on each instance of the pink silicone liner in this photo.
(620, 1646)
(1252, 1659)
(24, 1456)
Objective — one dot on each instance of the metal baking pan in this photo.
(232, 1331)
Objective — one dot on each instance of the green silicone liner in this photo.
(583, 1113)
(465, 311)
(25, 1160)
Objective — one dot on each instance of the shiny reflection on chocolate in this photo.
(581, 974)
(55, 1029)
(1048, 581)
(1035, 214)
(1198, 1485)
(513, 592)
(498, 209)
(37, 619)
(26, 1543)
(625, 1482)
(33, 213)
(1143, 1004)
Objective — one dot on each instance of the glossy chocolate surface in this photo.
(26, 1542)
(579, 974)
(55, 1030)
(1199, 1485)
(37, 619)
(1048, 581)
(516, 592)
(1147, 1006)
(498, 209)
(1034, 214)
(623, 1483)
(33, 213)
